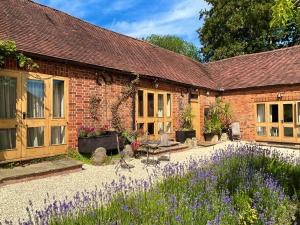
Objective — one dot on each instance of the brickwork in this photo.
(243, 104)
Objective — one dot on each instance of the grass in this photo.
(242, 185)
(74, 154)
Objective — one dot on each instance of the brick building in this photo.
(42, 111)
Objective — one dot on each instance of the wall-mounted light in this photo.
(279, 96)
(207, 93)
(156, 84)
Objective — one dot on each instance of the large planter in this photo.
(181, 135)
(107, 141)
(213, 138)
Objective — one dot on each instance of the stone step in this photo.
(38, 170)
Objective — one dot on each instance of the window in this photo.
(261, 113)
(288, 113)
(35, 98)
(58, 98)
(57, 135)
(160, 105)
(35, 136)
(193, 96)
(298, 133)
(298, 113)
(140, 103)
(8, 96)
(169, 127)
(150, 98)
(261, 131)
(150, 128)
(274, 131)
(7, 139)
(288, 131)
(160, 127)
(274, 113)
(168, 105)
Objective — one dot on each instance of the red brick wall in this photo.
(243, 104)
(83, 85)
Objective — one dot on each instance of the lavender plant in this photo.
(242, 184)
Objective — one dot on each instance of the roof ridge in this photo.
(253, 54)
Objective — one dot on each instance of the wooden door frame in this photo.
(22, 152)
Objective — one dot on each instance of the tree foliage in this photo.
(285, 12)
(8, 49)
(240, 27)
(175, 44)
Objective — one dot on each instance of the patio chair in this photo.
(235, 131)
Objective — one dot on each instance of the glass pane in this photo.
(35, 136)
(160, 108)
(168, 127)
(160, 127)
(58, 98)
(35, 98)
(168, 105)
(288, 113)
(57, 135)
(150, 98)
(298, 116)
(8, 97)
(288, 131)
(150, 128)
(141, 103)
(274, 132)
(261, 113)
(274, 116)
(261, 131)
(7, 138)
(298, 133)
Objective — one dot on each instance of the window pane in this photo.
(57, 135)
(58, 98)
(274, 132)
(288, 131)
(261, 113)
(150, 98)
(298, 133)
(35, 98)
(298, 116)
(160, 108)
(168, 105)
(150, 128)
(168, 127)
(35, 136)
(261, 131)
(160, 127)
(288, 113)
(141, 103)
(7, 138)
(8, 95)
(274, 116)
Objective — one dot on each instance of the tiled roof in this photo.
(45, 31)
(275, 67)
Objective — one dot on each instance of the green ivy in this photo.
(8, 49)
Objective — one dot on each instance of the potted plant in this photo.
(186, 130)
(217, 121)
(90, 138)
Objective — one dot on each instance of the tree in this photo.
(234, 28)
(285, 12)
(175, 44)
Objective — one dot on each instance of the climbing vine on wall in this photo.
(129, 91)
(8, 49)
(94, 105)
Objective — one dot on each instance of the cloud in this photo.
(180, 19)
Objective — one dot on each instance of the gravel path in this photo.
(14, 198)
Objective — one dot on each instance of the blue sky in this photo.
(138, 18)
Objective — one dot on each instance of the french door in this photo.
(278, 121)
(33, 121)
(154, 112)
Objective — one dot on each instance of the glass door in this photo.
(274, 121)
(288, 122)
(35, 114)
(10, 116)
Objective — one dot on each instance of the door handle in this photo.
(24, 115)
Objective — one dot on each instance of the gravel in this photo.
(14, 198)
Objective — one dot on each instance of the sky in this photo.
(138, 18)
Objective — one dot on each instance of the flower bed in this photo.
(240, 185)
